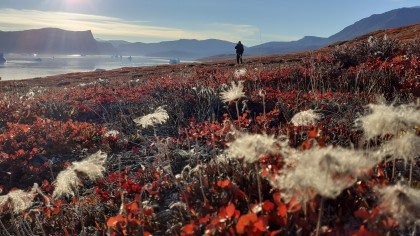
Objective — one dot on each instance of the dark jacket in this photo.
(239, 48)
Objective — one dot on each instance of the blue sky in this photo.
(252, 21)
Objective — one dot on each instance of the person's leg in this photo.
(241, 58)
(237, 57)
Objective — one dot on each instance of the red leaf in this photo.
(277, 198)
(245, 221)
(282, 210)
(312, 134)
(362, 213)
(189, 229)
(268, 205)
(260, 225)
(204, 219)
(113, 221)
(230, 210)
(223, 183)
(264, 173)
(293, 205)
(133, 207)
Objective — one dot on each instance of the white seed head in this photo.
(251, 146)
(401, 202)
(405, 146)
(159, 116)
(324, 171)
(388, 119)
(92, 167)
(240, 72)
(69, 179)
(304, 118)
(18, 200)
(233, 93)
(66, 183)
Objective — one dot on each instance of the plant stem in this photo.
(321, 210)
(393, 168)
(237, 109)
(258, 183)
(40, 225)
(4, 228)
(411, 173)
(201, 185)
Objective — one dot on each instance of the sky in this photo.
(251, 21)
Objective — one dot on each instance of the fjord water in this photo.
(19, 66)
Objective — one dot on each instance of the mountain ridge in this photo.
(48, 41)
(54, 41)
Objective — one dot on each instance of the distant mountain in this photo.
(48, 41)
(117, 43)
(391, 19)
(106, 48)
(183, 48)
(57, 41)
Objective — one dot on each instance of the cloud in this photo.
(106, 27)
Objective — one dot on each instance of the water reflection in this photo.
(23, 66)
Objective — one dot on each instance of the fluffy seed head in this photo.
(92, 167)
(406, 146)
(303, 118)
(66, 183)
(69, 179)
(159, 116)
(401, 202)
(324, 171)
(234, 92)
(388, 119)
(240, 72)
(18, 200)
(251, 146)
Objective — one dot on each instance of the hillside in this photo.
(390, 19)
(227, 62)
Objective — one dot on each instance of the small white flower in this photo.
(234, 92)
(401, 202)
(251, 146)
(257, 208)
(159, 116)
(304, 118)
(111, 133)
(68, 180)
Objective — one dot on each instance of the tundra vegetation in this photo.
(327, 145)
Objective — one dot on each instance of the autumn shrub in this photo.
(327, 145)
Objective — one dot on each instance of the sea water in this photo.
(25, 66)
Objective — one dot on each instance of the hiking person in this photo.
(239, 51)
